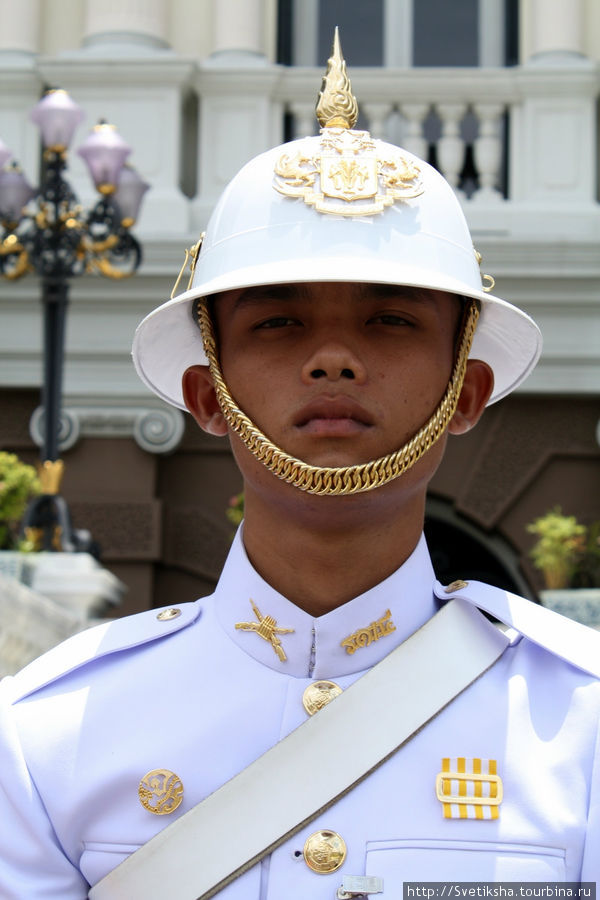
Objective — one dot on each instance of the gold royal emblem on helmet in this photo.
(347, 178)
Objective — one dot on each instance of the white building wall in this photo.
(148, 66)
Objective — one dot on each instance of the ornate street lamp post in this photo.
(48, 232)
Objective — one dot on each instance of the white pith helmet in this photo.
(335, 207)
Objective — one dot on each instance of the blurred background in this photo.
(500, 95)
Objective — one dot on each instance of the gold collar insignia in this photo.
(365, 636)
(267, 629)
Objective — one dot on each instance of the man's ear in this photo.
(475, 393)
(201, 400)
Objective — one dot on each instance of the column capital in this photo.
(156, 429)
(238, 38)
(553, 32)
(139, 26)
(19, 28)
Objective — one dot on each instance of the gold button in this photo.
(324, 852)
(166, 614)
(160, 792)
(456, 586)
(319, 694)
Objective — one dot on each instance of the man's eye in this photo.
(277, 322)
(390, 319)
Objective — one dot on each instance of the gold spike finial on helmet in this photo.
(336, 106)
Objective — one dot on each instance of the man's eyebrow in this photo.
(362, 291)
(264, 293)
(404, 292)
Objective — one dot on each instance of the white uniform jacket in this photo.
(193, 695)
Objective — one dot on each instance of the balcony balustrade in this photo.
(519, 145)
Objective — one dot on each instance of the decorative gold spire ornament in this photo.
(336, 104)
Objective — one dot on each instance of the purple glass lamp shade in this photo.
(129, 194)
(104, 152)
(57, 117)
(5, 153)
(15, 192)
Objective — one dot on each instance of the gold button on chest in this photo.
(160, 792)
(324, 851)
(319, 694)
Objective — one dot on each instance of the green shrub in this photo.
(18, 484)
(567, 552)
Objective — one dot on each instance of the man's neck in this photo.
(320, 557)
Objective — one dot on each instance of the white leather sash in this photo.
(382, 710)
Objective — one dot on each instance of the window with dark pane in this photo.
(361, 30)
(446, 33)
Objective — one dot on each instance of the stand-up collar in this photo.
(348, 639)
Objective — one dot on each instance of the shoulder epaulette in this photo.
(574, 643)
(102, 640)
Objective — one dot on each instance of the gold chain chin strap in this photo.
(346, 479)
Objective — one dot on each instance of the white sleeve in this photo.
(590, 869)
(33, 864)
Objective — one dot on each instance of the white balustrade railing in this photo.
(475, 110)
(426, 112)
(525, 135)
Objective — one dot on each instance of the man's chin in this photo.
(334, 458)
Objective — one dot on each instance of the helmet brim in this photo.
(168, 340)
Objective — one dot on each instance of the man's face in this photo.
(334, 373)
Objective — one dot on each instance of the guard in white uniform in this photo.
(321, 330)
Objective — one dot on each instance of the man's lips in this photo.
(334, 417)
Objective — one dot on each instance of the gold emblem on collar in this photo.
(365, 636)
(160, 792)
(267, 629)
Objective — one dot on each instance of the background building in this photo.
(501, 95)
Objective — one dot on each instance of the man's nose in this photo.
(333, 361)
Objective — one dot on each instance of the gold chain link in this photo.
(346, 479)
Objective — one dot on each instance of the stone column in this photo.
(553, 128)
(239, 118)
(19, 27)
(20, 81)
(555, 31)
(238, 33)
(140, 24)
